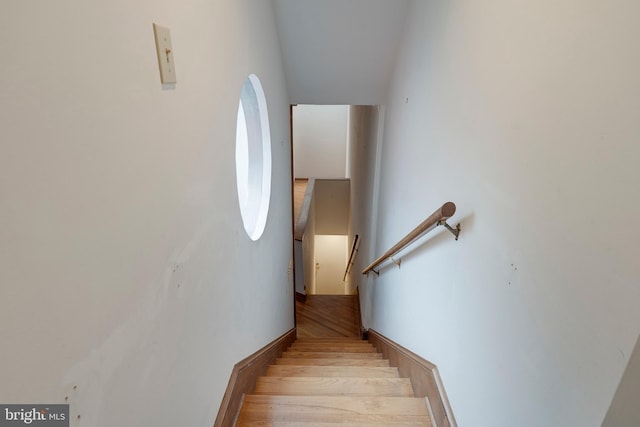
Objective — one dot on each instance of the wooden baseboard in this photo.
(423, 374)
(244, 375)
(301, 297)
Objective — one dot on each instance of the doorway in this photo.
(321, 197)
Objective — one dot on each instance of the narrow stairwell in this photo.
(331, 381)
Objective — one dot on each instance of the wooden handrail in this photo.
(354, 249)
(439, 217)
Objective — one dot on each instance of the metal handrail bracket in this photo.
(439, 217)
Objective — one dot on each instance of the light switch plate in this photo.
(165, 54)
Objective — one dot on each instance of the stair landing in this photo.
(329, 316)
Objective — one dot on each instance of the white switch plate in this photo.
(165, 54)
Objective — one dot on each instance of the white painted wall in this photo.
(127, 281)
(300, 275)
(526, 116)
(364, 124)
(308, 250)
(320, 141)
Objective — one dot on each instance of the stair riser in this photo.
(331, 371)
(418, 422)
(332, 362)
(330, 355)
(330, 409)
(310, 386)
(334, 348)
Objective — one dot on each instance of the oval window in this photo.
(253, 157)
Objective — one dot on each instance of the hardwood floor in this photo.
(328, 316)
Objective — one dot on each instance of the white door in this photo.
(330, 260)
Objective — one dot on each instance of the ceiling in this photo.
(339, 51)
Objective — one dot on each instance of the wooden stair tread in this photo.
(331, 341)
(351, 348)
(301, 361)
(330, 377)
(332, 371)
(334, 409)
(330, 354)
(385, 423)
(325, 386)
(348, 343)
(341, 340)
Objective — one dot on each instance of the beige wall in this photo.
(331, 206)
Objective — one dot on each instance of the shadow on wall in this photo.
(624, 410)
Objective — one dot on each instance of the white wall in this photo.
(320, 141)
(300, 270)
(364, 122)
(127, 281)
(526, 116)
(308, 250)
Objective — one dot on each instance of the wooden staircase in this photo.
(324, 382)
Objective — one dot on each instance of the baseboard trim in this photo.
(301, 297)
(244, 375)
(430, 409)
(424, 376)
